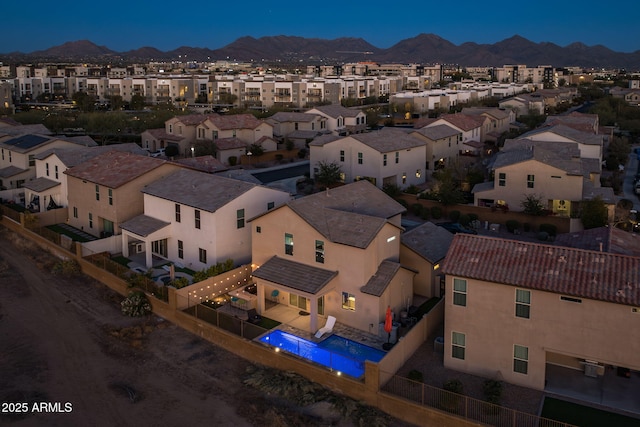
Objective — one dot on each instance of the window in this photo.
(111, 196)
(320, 251)
(258, 229)
(502, 179)
(90, 220)
(270, 205)
(404, 177)
(384, 160)
(288, 244)
(295, 126)
(177, 212)
(570, 299)
(520, 359)
(397, 157)
(458, 345)
(197, 218)
(240, 218)
(180, 249)
(530, 179)
(342, 155)
(459, 292)
(46, 166)
(97, 192)
(348, 301)
(32, 159)
(523, 303)
(55, 168)
(202, 255)
(215, 135)
(360, 159)
(75, 212)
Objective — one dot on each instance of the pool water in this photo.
(335, 352)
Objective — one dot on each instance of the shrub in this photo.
(403, 202)
(512, 225)
(436, 212)
(416, 208)
(425, 214)
(412, 189)
(454, 386)
(464, 219)
(67, 267)
(492, 391)
(415, 375)
(136, 304)
(289, 144)
(473, 217)
(302, 153)
(233, 160)
(549, 228)
(179, 282)
(451, 400)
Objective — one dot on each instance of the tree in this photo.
(594, 213)
(328, 173)
(137, 102)
(84, 101)
(532, 205)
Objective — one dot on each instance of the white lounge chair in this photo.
(328, 327)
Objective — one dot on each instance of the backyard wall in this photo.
(53, 216)
(222, 283)
(112, 244)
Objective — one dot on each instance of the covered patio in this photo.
(145, 235)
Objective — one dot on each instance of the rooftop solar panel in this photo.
(27, 141)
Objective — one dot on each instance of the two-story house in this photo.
(105, 191)
(299, 128)
(520, 312)
(590, 144)
(197, 219)
(443, 144)
(500, 120)
(18, 155)
(388, 156)
(341, 120)
(49, 189)
(333, 253)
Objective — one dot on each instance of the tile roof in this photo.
(295, 275)
(351, 214)
(590, 192)
(324, 139)
(161, 133)
(10, 171)
(235, 121)
(38, 129)
(40, 184)
(194, 119)
(378, 283)
(207, 164)
(388, 139)
(497, 113)
(563, 131)
(283, 117)
(575, 272)
(606, 239)
(429, 241)
(114, 168)
(334, 111)
(437, 132)
(462, 121)
(230, 143)
(72, 156)
(200, 190)
(143, 225)
(570, 165)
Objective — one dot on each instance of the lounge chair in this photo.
(253, 316)
(328, 327)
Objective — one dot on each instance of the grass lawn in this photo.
(66, 232)
(584, 416)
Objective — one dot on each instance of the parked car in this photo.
(158, 153)
(456, 227)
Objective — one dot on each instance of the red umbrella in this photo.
(388, 323)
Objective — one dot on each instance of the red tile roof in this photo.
(235, 121)
(569, 271)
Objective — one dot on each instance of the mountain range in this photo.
(422, 49)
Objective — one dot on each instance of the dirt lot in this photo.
(64, 341)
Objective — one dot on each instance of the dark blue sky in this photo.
(123, 26)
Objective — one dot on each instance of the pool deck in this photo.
(298, 325)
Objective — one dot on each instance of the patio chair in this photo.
(253, 316)
(328, 327)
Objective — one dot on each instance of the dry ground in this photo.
(64, 339)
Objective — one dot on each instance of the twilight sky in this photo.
(168, 25)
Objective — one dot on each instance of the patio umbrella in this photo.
(388, 323)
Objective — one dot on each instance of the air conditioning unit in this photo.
(591, 369)
(139, 248)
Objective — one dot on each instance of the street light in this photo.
(249, 153)
(193, 151)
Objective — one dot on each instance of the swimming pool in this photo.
(335, 352)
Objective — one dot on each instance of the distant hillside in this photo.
(424, 48)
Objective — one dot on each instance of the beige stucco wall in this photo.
(425, 282)
(127, 200)
(592, 330)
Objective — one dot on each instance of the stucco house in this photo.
(519, 311)
(500, 120)
(388, 156)
(469, 126)
(299, 128)
(196, 219)
(18, 155)
(105, 191)
(180, 130)
(591, 145)
(423, 249)
(442, 145)
(553, 172)
(333, 253)
(341, 120)
(49, 189)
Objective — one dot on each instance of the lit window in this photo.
(288, 244)
(458, 345)
(348, 301)
(523, 303)
(520, 359)
(460, 292)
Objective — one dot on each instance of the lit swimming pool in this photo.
(335, 352)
